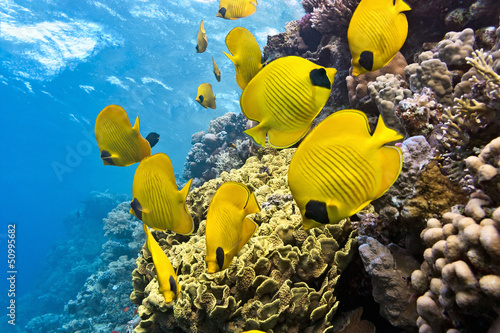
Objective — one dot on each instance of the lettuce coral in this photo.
(283, 279)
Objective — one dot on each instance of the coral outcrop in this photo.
(283, 279)
(459, 279)
(223, 147)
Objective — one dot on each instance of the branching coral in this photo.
(469, 114)
(483, 63)
(284, 278)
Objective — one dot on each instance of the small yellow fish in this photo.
(120, 144)
(377, 31)
(246, 55)
(228, 229)
(235, 9)
(206, 96)
(201, 39)
(156, 200)
(216, 70)
(167, 278)
(340, 167)
(285, 97)
(254, 331)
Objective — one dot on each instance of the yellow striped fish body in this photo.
(339, 167)
(119, 143)
(216, 70)
(285, 97)
(156, 200)
(228, 229)
(205, 96)
(201, 39)
(235, 9)
(167, 278)
(377, 30)
(245, 55)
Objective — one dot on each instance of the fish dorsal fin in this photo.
(185, 190)
(252, 205)
(384, 135)
(249, 228)
(136, 124)
(401, 6)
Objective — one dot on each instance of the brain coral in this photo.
(283, 279)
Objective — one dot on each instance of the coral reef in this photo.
(456, 47)
(421, 113)
(459, 278)
(66, 269)
(386, 91)
(390, 268)
(223, 147)
(283, 279)
(432, 73)
(358, 86)
(102, 304)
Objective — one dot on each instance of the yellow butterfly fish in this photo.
(167, 278)
(120, 144)
(201, 39)
(228, 229)
(340, 167)
(377, 30)
(205, 96)
(235, 9)
(216, 70)
(245, 55)
(156, 200)
(285, 97)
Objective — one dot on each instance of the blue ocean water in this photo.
(62, 62)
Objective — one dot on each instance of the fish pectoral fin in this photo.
(258, 134)
(249, 228)
(282, 139)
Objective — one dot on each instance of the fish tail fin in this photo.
(249, 228)
(401, 6)
(136, 124)
(384, 135)
(186, 188)
(258, 134)
(252, 205)
(392, 160)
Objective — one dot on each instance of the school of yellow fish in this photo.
(338, 168)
